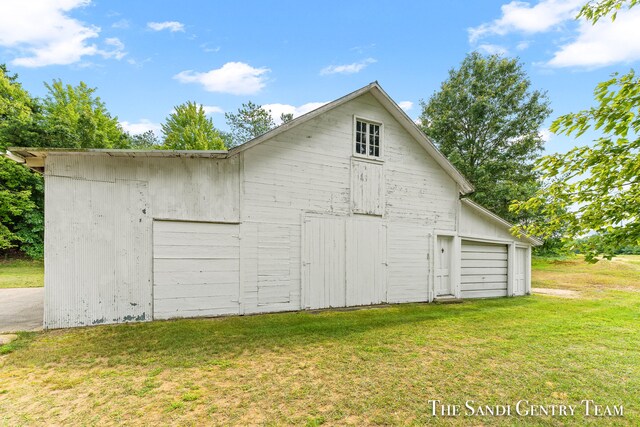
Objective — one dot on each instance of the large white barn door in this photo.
(196, 269)
(366, 245)
(324, 262)
(344, 261)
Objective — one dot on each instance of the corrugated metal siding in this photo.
(483, 270)
(196, 269)
(92, 275)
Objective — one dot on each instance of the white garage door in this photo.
(196, 269)
(483, 270)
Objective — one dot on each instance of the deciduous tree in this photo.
(486, 119)
(249, 122)
(189, 128)
(596, 188)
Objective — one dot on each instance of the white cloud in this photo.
(122, 24)
(212, 109)
(42, 33)
(523, 45)
(405, 105)
(236, 78)
(353, 68)
(173, 26)
(278, 109)
(493, 49)
(141, 127)
(519, 16)
(602, 44)
(545, 134)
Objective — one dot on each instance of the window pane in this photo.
(374, 140)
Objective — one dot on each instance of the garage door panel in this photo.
(479, 271)
(195, 278)
(483, 270)
(192, 291)
(194, 251)
(488, 263)
(478, 247)
(493, 278)
(190, 265)
(485, 293)
(484, 255)
(196, 269)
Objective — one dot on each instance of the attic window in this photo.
(367, 142)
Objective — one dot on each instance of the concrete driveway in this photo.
(21, 309)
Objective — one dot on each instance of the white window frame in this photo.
(380, 157)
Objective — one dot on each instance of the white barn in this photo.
(347, 205)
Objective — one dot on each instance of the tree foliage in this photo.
(189, 128)
(249, 122)
(21, 191)
(595, 189)
(73, 117)
(594, 10)
(486, 119)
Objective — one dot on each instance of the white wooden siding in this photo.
(196, 269)
(100, 210)
(324, 262)
(483, 270)
(367, 187)
(408, 257)
(366, 261)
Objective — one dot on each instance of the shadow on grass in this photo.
(190, 342)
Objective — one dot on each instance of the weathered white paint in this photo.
(297, 220)
(521, 272)
(444, 263)
(196, 269)
(483, 269)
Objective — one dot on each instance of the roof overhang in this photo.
(34, 157)
(500, 221)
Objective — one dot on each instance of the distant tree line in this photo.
(75, 117)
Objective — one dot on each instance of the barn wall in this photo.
(310, 168)
(98, 221)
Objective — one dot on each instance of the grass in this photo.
(21, 274)
(365, 367)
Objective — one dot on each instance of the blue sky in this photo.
(146, 57)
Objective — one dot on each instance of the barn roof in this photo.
(34, 157)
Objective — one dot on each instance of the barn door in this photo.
(324, 262)
(521, 271)
(444, 257)
(366, 261)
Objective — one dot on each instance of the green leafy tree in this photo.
(143, 141)
(286, 117)
(249, 122)
(486, 119)
(189, 128)
(73, 117)
(21, 190)
(595, 189)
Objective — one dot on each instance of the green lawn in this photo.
(21, 274)
(364, 367)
